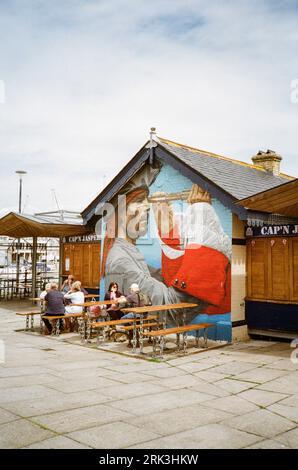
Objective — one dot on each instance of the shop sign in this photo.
(81, 238)
(288, 230)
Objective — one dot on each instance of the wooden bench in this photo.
(101, 326)
(56, 328)
(121, 321)
(145, 325)
(29, 316)
(178, 331)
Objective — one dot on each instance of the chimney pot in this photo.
(269, 161)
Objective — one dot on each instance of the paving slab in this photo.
(261, 422)
(26, 380)
(283, 364)
(20, 433)
(59, 442)
(80, 418)
(32, 392)
(9, 371)
(261, 397)
(160, 401)
(79, 385)
(184, 381)
(261, 375)
(196, 366)
(231, 404)
(234, 368)
(233, 385)
(116, 435)
(268, 444)
(7, 417)
(287, 384)
(288, 412)
(290, 401)
(210, 389)
(123, 391)
(177, 420)
(57, 402)
(165, 372)
(209, 376)
(211, 436)
(290, 438)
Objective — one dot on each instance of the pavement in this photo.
(54, 394)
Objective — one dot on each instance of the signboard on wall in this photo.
(286, 230)
(92, 237)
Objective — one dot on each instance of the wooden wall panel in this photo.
(293, 261)
(86, 265)
(95, 264)
(84, 262)
(77, 268)
(272, 269)
(278, 272)
(258, 268)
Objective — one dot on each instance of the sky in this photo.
(82, 82)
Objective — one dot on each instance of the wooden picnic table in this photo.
(87, 296)
(96, 302)
(154, 308)
(157, 308)
(29, 316)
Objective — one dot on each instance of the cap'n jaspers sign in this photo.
(82, 238)
(287, 230)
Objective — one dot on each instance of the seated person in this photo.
(135, 299)
(75, 296)
(66, 286)
(55, 304)
(47, 288)
(113, 293)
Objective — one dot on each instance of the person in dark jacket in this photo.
(55, 304)
(113, 294)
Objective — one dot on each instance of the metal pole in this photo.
(20, 196)
(20, 173)
(34, 260)
(60, 261)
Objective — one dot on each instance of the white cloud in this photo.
(85, 80)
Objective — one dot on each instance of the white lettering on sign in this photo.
(279, 230)
(83, 238)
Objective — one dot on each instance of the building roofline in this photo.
(221, 157)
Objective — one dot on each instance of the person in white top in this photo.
(76, 297)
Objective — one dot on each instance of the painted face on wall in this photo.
(137, 216)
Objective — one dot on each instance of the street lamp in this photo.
(20, 173)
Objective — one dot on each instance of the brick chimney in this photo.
(268, 160)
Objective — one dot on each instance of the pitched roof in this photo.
(24, 225)
(282, 199)
(237, 178)
(231, 179)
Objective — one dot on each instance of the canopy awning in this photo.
(22, 225)
(282, 200)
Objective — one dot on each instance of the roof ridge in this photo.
(215, 155)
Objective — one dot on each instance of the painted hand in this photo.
(163, 213)
(197, 194)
